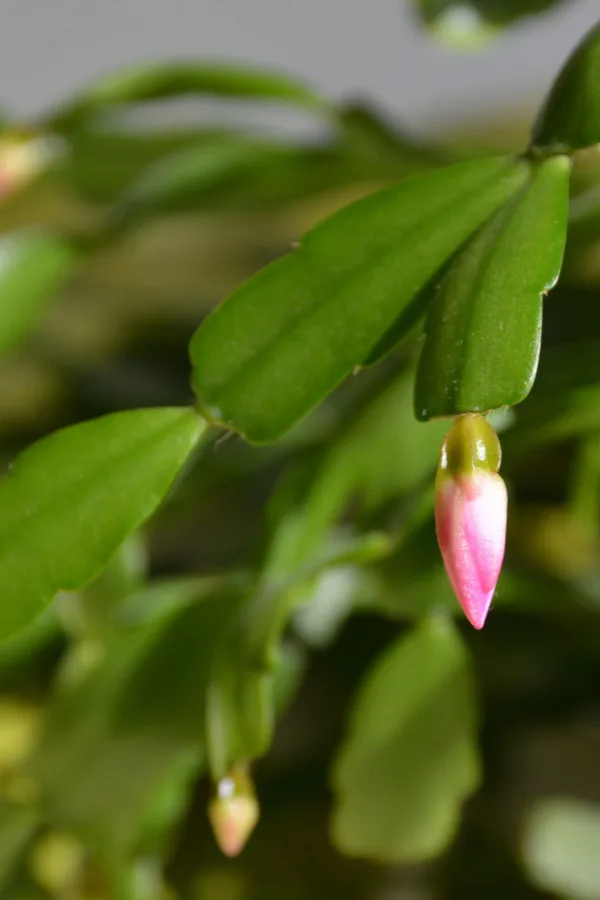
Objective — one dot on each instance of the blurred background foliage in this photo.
(412, 759)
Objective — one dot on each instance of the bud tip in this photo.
(233, 812)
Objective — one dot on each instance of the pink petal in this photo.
(471, 528)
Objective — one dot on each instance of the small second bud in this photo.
(234, 811)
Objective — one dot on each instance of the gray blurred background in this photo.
(346, 47)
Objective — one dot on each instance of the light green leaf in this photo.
(410, 759)
(166, 80)
(570, 117)
(114, 740)
(17, 827)
(560, 848)
(466, 25)
(71, 500)
(287, 337)
(34, 265)
(483, 330)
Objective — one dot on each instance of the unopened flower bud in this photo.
(234, 811)
(470, 513)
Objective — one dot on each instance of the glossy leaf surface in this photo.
(483, 330)
(570, 117)
(71, 499)
(34, 266)
(287, 337)
(410, 758)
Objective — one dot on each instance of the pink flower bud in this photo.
(234, 811)
(470, 514)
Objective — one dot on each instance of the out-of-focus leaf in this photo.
(235, 171)
(287, 337)
(469, 24)
(371, 136)
(232, 170)
(218, 169)
(291, 666)
(241, 694)
(413, 582)
(570, 117)
(181, 179)
(381, 456)
(167, 80)
(18, 653)
(584, 219)
(91, 612)
(410, 758)
(102, 164)
(566, 400)
(550, 419)
(113, 740)
(72, 499)
(239, 704)
(34, 265)
(56, 863)
(560, 848)
(483, 330)
(161, 597)
(17, 827)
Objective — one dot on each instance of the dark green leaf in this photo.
(166, 80)
(584, 219)
(372, 137)
(410, 759)
(34, 265)
(72, 499)
(181, 180)
(287, 337)
(551, 419)
(102, 164)
(236, 171)
(570, 117)
(483, 330)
